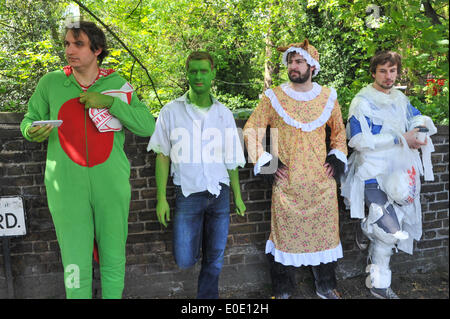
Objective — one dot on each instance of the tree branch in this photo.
(140, 2)
(11, 27)
(53, 31)
(131, 72)
(430, 12)
(123, 45)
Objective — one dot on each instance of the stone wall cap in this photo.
(11, 118)
(16, 118)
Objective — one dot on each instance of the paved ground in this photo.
(432, 285)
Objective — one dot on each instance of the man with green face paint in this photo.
(197, 137)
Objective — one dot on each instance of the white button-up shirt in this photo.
(202, 147)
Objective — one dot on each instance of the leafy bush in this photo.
(242, 35)
(241, 107)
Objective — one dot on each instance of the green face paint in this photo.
(200, 78)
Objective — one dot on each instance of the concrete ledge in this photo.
(11, 118)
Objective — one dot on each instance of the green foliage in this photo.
(240, 106)
(28, 50)
(434, 105)
(242, 35)
(403, 26)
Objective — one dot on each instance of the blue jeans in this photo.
(202, 220)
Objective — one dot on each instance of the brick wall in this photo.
(151, 271)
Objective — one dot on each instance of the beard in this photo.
(386, 87)
(302, 77)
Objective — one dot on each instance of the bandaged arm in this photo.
(371, 140)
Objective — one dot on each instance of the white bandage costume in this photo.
(382, 162)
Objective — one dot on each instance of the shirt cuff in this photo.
(263, 159)
(340, 156)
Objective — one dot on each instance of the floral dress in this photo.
(304, 220)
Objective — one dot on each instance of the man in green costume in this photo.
(196, 135)
(87, 171)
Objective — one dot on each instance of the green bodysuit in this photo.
(87, 178)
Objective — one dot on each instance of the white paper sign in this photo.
(12, 217)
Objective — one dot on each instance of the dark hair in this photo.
(292, 53)
(383, 57)
(289, 55)
(200, 55)
(96, 37)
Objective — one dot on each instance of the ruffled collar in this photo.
(302, 96)
(307, 127)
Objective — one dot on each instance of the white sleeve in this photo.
(262, 160)
(160, 140)
(362, 142)
(234, 152)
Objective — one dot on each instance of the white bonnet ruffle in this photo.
(306, 50)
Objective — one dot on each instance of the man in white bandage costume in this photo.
(383, 171)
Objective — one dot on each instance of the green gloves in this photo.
(235, 186)
(96, 100)
(163, 211)
(39, 133)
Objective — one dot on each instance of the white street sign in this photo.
(12, 217)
